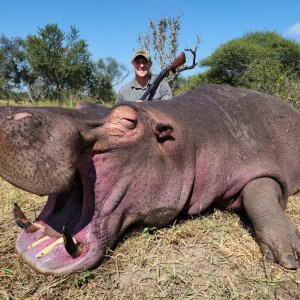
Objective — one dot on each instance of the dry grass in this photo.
(210, 257)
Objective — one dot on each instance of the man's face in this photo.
(141, 66)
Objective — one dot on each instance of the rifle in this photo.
(179, 60)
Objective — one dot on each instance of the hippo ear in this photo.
(163, 132)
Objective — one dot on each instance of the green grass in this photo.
(69, 104)
(209, 257)
(26, 103)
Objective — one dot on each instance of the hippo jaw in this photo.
(46, 250)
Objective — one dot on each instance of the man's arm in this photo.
(165, 91)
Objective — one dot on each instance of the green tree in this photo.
(61, 59)
(106, 74)
(263, 60)
(11, 63)
(15, 70)
(268, 76)
(190, 83)
(230, 61)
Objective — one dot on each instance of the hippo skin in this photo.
(146, 163)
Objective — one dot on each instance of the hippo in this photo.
(109, 170)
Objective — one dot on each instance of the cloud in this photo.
(294, 29)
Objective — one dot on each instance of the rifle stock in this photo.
(179, 60)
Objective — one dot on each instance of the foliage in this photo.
(16, 72)
(62, 59)
(264, 61)
(106, 74)
(268, 76)
(229, 62)
(191, 82)
(4, 87)
(11, 63)
(55, 65)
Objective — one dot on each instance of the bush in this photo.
(268, 76)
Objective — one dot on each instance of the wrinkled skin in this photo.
(145, 163)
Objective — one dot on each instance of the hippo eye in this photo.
(129, 123)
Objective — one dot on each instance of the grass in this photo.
(67, 103)
(209, 257)
(12, 102)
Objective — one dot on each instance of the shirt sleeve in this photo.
(165, 91)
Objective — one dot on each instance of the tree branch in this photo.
(194, 55)
(121, 80)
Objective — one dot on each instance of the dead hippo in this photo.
(144, 164)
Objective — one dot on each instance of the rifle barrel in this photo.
(179, 60)
(155, 84)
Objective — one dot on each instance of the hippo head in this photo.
(104, 172)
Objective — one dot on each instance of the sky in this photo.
(111, 28)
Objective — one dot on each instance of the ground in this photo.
(209, 257)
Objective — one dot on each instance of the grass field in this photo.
(68, 104)
(209, 257)
(27, 103)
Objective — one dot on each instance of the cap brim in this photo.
(147, 58)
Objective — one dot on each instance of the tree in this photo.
(263, 60)
(106, 74)
(268, 76)
(163, 42)
(62, 59)
(230, 61)
(15, 70)
(190, 83)
(11, 63)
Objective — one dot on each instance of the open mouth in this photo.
(61, 239)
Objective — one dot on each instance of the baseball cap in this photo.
(141, 52)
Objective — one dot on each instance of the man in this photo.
(133, 91)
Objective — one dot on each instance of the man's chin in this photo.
(142, 74)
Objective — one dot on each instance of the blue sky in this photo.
(111, 28)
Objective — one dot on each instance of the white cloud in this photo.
(294, 29)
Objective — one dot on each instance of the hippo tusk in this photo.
(23, 222)
(49, 248)
(44, 238)
(74, 248)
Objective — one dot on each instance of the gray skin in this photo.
(146, 163)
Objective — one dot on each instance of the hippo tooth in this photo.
(38, 242)
(23, 222)
(49, 248)
(73, 247)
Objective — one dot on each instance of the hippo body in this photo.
(146, 163)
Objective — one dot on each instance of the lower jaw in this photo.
(48, 254)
